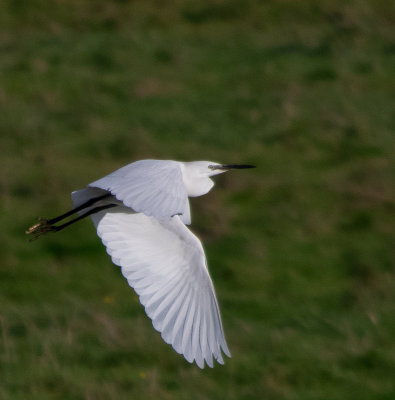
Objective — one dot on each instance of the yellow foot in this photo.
(41, 228)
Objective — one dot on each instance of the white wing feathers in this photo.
(154, 187)
(165, 263)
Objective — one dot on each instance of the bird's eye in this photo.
(213, 166)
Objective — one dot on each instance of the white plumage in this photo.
(153, 187)
(140, 212)
(165, 264)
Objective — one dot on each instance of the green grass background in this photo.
(301, 250)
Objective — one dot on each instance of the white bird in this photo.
(140, 212)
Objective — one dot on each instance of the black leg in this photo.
(46, 226)
(90, 212)
(88, 203)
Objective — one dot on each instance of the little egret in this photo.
(140, 212)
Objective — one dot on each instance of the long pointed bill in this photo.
(226, 167)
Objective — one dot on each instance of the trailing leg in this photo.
(88, 203)
(47, 225)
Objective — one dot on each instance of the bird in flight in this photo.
(140, 212)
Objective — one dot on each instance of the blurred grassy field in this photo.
(301, 250)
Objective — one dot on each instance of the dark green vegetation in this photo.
(301, 249)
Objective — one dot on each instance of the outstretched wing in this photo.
(165, 264)
(153, 187)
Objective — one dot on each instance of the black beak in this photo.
(225, 167)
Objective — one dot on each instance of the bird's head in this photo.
(197, 174)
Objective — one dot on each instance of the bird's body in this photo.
(140, 212)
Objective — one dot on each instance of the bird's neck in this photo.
(196, 184)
